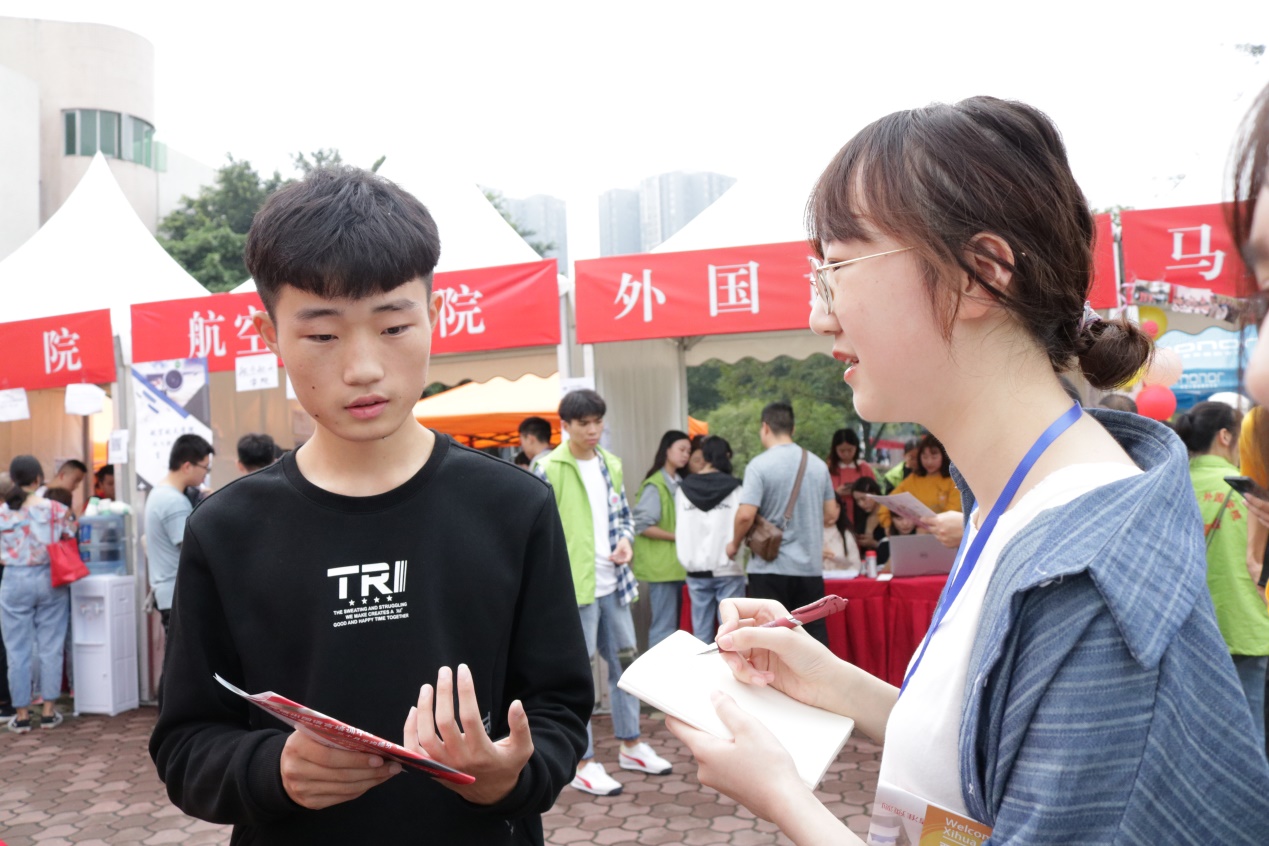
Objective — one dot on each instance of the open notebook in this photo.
(675, 678)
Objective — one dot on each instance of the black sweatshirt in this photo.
(278, 589)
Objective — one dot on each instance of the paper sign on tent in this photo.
(13, 405)
(84, 398)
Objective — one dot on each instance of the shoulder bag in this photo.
(64, 564)
(765, 537)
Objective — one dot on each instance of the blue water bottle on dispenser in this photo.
(103, 544)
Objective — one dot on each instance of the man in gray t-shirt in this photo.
(796, 576)
(166, 509)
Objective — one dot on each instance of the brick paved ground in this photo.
(90, 782)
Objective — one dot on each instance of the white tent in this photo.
(645, 382)
(93, 253)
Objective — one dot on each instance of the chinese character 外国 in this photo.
(204, 335)
(1205, 260)
(61, 351)
(460, 311)
(733, 288)
(633, 291)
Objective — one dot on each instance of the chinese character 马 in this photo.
(1206, 261)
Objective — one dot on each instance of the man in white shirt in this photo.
(166, 509)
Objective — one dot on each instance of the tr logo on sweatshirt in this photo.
(370, 598)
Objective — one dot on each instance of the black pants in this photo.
(792, 592)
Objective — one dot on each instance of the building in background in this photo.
(67, 92)
(668, 201)
(620, 230)
(635, 221)
(545, 217)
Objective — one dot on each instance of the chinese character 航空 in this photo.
(247, 332)
(1206, 261)
(204, 335)
(733, 288)
(460, 311)
(632, 291)
(61, 351)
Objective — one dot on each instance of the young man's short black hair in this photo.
(73, 464)
(191, 448)
(104, 471)
(583, 403)
(256, 451)
(779, 418)
(341, 232)
(538, 427)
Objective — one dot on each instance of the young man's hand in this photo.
(316, 776)
(623, 553)
(495, 764)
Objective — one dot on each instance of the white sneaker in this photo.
(593, 778)
(641, 757)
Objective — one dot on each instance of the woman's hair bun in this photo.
(1111, 352)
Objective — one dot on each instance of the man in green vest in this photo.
(599, 530)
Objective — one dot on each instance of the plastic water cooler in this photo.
(103, 544)
(104, 641)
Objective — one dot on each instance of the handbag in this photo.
(64, 564)
(764, 537)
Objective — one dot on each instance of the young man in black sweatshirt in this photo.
(376, 557)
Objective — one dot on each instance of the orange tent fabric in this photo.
(488, 414)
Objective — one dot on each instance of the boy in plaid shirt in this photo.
(599, 530)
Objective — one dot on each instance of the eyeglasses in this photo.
(820, 279)
(206, 468)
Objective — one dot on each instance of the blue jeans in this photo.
(667, 604)
(706, 593)
(608, 628)
(33, 613)
(1251, 672)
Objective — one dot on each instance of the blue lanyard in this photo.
(965, 560)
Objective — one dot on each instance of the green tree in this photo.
(206, 234)
(739, 421)
(499, 202)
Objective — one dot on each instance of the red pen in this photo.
(817, 610)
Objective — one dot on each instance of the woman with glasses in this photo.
(1073, 686)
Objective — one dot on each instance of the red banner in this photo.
(704, 292)
(486, 309)
(1104, 292)
(1188, 246)
(52, 352)
(217, 327)
(498, 308)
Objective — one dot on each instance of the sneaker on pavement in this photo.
(51, 721)
(593, 778)
(641, 757)
(19, 726)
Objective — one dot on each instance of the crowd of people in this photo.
(1092, 669)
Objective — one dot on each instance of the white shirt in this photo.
(597, 494)
(921, 753)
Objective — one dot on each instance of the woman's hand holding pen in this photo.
(789, 660)
(495, 764)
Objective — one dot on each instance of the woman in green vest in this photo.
(1210, 433)
(656, 561)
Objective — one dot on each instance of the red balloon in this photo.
(1150, 328)
(1156, 402)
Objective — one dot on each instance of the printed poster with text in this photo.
(905, 819)
(172, 398)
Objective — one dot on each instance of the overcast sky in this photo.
(572, 98)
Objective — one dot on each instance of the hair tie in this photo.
(1088, 318)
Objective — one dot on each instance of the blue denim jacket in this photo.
(1101, 705)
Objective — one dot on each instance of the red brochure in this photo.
(339, 735)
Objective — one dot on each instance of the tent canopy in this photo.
(489, 413)
(93, 253)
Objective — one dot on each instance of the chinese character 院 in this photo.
(1207, 262)
(460, 311)
(632, 291)
(246, 332)
(733, 288)
(204, 335)
(61, 351)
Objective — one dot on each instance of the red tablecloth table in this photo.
(882, 625)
